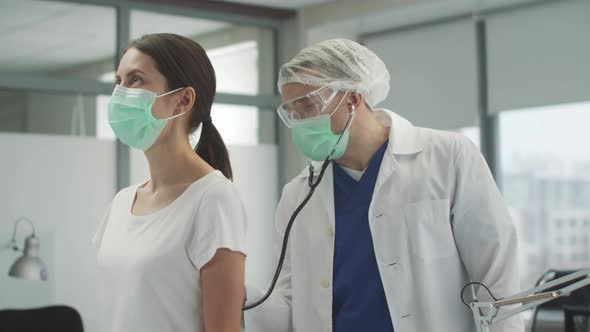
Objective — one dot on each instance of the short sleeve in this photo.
(220, 222)
(101, 227)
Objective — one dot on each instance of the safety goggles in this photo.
(308, 108)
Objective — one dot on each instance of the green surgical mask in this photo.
(317, 141)
(131, 118)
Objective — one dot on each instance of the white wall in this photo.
(539, 55)
(433, 73)
(63, 184)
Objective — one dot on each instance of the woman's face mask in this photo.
(131, 118)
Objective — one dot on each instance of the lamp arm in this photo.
(20, 220)
(528, 299)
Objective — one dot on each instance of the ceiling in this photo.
(298, 4)
(40, 36)
(46, 36)
(285, 4)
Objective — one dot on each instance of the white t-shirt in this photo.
(149, 284)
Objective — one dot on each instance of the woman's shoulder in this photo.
(126, 193)
(212, 189)
(219, 189)
(218, 202)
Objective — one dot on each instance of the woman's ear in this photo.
(187, 100)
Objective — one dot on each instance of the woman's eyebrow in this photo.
(132, 72)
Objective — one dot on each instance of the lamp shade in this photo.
(29, 266)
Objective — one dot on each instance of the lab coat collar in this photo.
(404, 138)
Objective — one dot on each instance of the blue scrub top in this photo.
(358, 302)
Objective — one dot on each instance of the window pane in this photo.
(103, 129)
(473, 133)
(233, 50)
(47, 113)
(545, 173)
(238, 125)
(236, 67)
(56, 39)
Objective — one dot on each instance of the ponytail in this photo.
(212, 149)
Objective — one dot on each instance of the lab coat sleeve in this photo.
(484, 232)
(274, 315)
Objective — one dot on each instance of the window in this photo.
(238, 54)
(473, 133)
(103, 129)
(236, 67)
(238, 125)
(543, 150)
(35, 112)
(50, 38)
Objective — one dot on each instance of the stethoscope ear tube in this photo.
(275, 278)
(312, 186)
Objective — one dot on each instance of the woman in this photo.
(403, 218)
(171, 250)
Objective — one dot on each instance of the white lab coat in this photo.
(437, 221)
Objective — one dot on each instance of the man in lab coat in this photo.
(403, 218)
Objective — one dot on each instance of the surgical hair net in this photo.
(342, 63)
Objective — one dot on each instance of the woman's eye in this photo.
(134, 79)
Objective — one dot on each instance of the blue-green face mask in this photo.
(131, 118)
(317, 141)
(309, 116)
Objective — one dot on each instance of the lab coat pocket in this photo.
(429, 229)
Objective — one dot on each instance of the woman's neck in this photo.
(174, 163)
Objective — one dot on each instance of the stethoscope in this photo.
(312, 186)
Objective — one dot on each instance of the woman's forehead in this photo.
(135, 60)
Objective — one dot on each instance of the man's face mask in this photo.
(309, 118)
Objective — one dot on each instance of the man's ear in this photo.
(355, 99)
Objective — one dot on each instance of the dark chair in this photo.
(572, 306)
(577, 318)
(47, 319)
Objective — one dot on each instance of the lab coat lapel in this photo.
(325, 192)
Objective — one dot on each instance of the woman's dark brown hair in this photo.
(184, 63)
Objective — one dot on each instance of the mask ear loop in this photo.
(313, 184)
(346, 127)
(169, 93)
